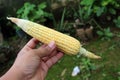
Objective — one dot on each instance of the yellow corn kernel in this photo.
(65, 43)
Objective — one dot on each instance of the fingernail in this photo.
(51, 44)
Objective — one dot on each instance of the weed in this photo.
(86, 67)
(105, 33)
(117, 22)
(60, 26)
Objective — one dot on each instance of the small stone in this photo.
(77, 21)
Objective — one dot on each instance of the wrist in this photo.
(13, 74)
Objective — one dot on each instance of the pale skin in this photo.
(33, 63)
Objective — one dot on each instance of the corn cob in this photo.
(65, 43)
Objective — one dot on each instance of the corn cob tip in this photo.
(88, 54)
(91, 55)
(14, 20)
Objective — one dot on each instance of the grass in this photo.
(107, 68)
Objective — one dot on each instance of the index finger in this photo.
(32, 43)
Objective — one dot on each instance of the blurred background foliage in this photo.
(85, 20)
(63, 14)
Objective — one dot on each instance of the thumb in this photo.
(44, 51)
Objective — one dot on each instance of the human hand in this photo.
(33, 64)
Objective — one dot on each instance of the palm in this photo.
(37, 66)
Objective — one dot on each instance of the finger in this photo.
(46, 57)
(49, 56)
(32, 43)
(43, 46)
(54, 59)
(44, 51)
(53, 53)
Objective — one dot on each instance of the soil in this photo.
(8, 53)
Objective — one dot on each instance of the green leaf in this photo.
(105, 2)
(99, 11)
(49, 15)
(42, 5)
(25, 10)
(108, 33)
(100, 33)
(117, 22)
(87, 2)
(20, 11)
(107, 30)
(89, 11)
(112, 11)
(40, 12)
(34, 12)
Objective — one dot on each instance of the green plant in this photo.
(103, 7)
(34, 12)
(88, 64)
(105, 33)
(92, 8)
(26, 10)
(84, 11)
(86, 67)
(117, 22)
(61, 25)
